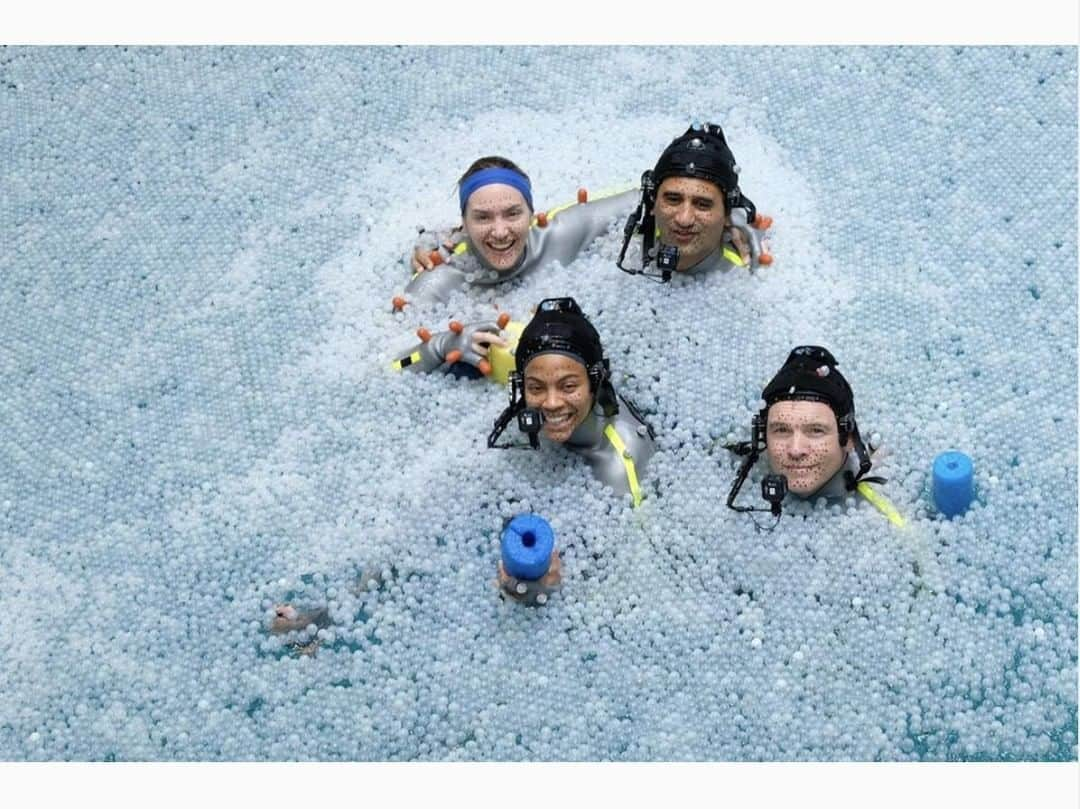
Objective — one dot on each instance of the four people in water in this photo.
(690, 216)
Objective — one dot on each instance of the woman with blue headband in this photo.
(501, 237)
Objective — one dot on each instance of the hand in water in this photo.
(742, 244)
(468, 343)
(748, 237)
(422, 258)
(532, 592)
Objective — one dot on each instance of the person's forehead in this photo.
(553, 366)
(801, 412)
(494, 196)
(689, 186)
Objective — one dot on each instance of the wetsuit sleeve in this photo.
(573, 229)
(423, 357)
(435, 285)
(443, 347)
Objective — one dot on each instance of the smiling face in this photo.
(803, 444)
(496, 220)
(690, 215)
(559, 386)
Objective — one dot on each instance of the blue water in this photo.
(198, 251)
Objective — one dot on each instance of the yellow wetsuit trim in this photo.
(733, 257)
(555, 211)
(405, 362)
(628, 462)
(881, 503)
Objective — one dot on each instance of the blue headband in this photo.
(495, 175)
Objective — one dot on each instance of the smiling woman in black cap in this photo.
(561, 390)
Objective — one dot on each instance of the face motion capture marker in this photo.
(702, 153)
(559, 326)
(809, 373)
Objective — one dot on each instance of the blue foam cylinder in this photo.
(527, 543)
(952, 483)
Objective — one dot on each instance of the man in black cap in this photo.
(692, 216)
(561, 390)
(807, 430)
(810, 433)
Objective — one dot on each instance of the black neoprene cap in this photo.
(702, 153)
(561, 328)
(811, 370)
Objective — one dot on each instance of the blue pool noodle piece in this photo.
(527, 543)
(952, 483)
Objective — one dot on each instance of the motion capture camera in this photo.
(774, 489)
(530, 420)
(667, 259)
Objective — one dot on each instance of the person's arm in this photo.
(746, 236)
(462, 343)
(434, 286)
(570, 230)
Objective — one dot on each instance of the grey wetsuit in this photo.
(568, 232)
(435, 351)
(617, 449)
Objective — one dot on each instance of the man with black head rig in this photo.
(808, 432)
(692, 215)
